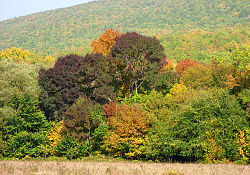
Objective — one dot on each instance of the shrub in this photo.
(71, 149)
(77, 120)
(110, 109)
(208, 128)
(98, 138)
(81, 119)
(55, 135)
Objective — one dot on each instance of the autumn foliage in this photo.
(127, 133)
(110, 109)
(19, 55)
(55, 135)
(166, 65)
(184, 64)
(105, 42)
(126, 99)
(59, 86)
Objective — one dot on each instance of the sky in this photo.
(15, 8)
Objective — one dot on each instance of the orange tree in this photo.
(127, 133)
(105, 42)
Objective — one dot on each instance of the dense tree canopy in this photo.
(95, 78)
(134, 56)
(133, 103)
(59, 86)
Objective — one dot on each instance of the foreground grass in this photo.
(117, 168)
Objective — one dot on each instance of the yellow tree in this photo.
(24, 56)
(105, 42)
(55, 135)
(127, 135)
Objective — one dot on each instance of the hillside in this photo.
(72, 29)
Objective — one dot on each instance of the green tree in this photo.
(208, 128)
(24, 133)
(17, 79)
(199, 76)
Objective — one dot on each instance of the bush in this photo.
(159, 140)
(206, 127)
(77, 120)
(110, 109)
(71, 149)
(81, 119)
(26, 144)
(55, 135)
(98, 138)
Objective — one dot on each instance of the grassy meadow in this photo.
(117, 168)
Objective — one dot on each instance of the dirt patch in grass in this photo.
(117, 168)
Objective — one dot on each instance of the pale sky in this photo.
(15, 8)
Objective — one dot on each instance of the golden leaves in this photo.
(105, 42)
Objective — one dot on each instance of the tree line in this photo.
(126, 99)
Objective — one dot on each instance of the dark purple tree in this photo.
(59, 86)
(95, 78)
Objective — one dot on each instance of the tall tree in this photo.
(59, 86)
(95, 79)
(134, 55)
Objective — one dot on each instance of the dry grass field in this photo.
(117, 168)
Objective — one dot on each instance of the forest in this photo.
(130, 98)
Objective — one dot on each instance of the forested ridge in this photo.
(71, 29)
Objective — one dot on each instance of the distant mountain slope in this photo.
(68, 29)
